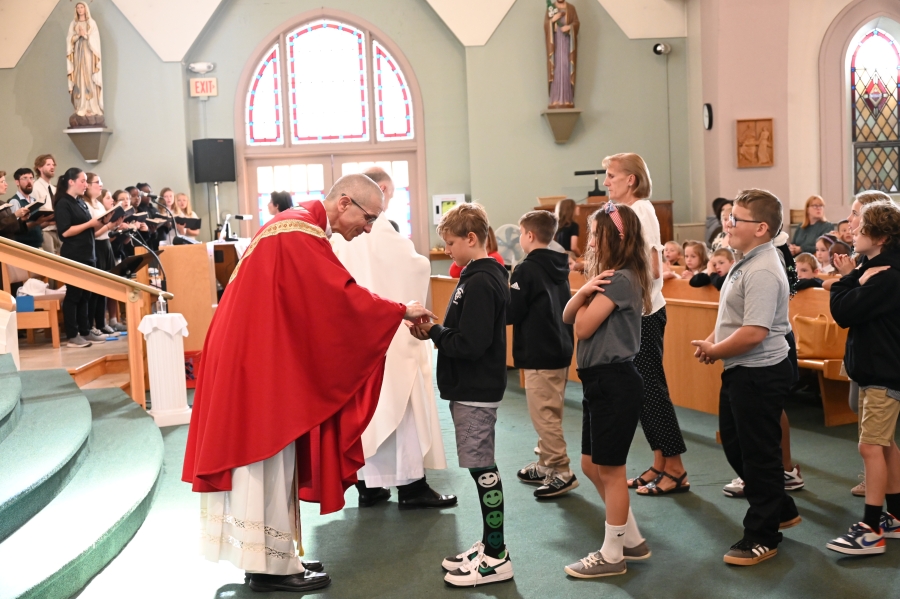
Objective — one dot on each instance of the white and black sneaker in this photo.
(735, 488)
(748, 553)
(534, 474)
(890, 526)
(557, 484)
(793, 480)
(455, 562)
(859, 540)
(484, 569)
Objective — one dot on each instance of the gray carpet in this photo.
(382, 552)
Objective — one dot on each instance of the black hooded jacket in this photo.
(471, 342)
(538, 293)
(870, 311)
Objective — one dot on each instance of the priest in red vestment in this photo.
(290, 377)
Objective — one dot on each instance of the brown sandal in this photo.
(653, 488)
(634, 483)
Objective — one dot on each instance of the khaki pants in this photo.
(51, 242)
(545, 391)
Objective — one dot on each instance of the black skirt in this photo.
(105, 258)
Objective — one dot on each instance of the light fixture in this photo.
(661, 48)
(201, 68)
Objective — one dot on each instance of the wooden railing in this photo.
(133, 294)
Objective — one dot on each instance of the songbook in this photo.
(40, 210)
(112, 215)
(138, 217)
(190, 223)
(157, 221)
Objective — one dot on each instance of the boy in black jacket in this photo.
(864, 301)
(542, 348)
(471, 373)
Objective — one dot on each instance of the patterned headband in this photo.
(613, 213)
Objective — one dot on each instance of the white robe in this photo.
(404, 436)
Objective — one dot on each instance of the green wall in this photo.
(484, 133)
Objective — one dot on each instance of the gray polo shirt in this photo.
(618, 338)
(756, 293)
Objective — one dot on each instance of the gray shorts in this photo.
(474, 435)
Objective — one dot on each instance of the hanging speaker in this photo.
(213, 160)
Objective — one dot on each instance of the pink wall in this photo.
(745, 69)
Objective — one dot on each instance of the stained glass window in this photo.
(328, 93)
(393, 108)
(304, 182)
(263, 115)
(874, 72)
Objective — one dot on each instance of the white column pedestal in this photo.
(165, 358)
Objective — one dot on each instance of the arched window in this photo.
(331, 95)
(874, 73)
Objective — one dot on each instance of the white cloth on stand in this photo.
(254, 525)
(387, 264)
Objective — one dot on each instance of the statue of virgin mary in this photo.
(83, 66)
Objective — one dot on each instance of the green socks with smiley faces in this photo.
(490, 496)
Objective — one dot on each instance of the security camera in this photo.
(205, 67)
(661, 48)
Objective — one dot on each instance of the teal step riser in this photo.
(9, 422)
(22, 508)
(79, 572)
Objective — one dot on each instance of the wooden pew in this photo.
(833, 386)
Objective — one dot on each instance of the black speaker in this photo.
(213, 160)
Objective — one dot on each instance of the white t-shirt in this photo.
(96, 211)
(650, 228)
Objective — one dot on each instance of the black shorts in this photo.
(613, 398)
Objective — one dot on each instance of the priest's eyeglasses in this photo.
(370, 219)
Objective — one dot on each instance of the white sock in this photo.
(113, 322)
(633, 536)
(613, 543)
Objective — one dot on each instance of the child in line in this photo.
(719, 264)
(863, 302)
(844, 233)
(471, 374)
(673, 255)
(606, 313)
(823, 253)
(749, 338)
(807, 269)
(695, 258)
(542, 348)
(492, 252)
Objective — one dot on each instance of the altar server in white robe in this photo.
(404, 436)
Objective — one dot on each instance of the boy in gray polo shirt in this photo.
(749, 339)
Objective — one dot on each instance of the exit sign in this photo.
(204, 86)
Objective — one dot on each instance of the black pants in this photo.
(75, 311)
(658, 417)
(750, 406)
(97, 310)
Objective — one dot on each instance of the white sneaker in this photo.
(481, 570)
(456, 561)
(96, 338)
(735, 488)
(793, 480)
(97, 332)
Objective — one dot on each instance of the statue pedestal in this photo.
(562, 122)
(90, 141)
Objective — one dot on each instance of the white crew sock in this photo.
(633, 536)
(613, 543)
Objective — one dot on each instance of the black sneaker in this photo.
(534, 474)
(556, 484)
(748, 553)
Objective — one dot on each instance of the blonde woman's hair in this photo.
(633, 164)
(867, 197)
(809, 201)
(188, 210)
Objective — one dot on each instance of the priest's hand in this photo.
(416, 312)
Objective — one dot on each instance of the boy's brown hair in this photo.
(463, 219)
(542, 223)
(881, 220)
(807, 259)
(723, 253)
(764, 207)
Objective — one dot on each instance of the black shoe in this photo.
(427, 500)
(311, 565)
(292, 583)
(373, 497)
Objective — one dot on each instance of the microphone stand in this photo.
(152, 253)
(171, 215)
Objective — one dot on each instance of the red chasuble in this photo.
(295, 352)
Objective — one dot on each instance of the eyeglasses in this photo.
(733, 220)
(370, 219)
(817, 205)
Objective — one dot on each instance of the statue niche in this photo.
(84, 70)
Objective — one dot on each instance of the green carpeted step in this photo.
(44, 449)
(10, 394)
(58, 551)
